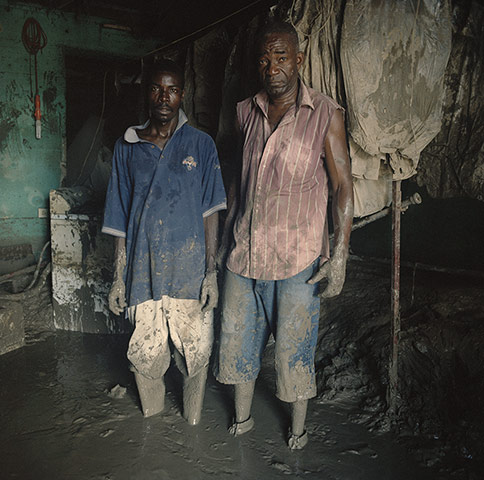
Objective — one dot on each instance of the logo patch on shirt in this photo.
(189, 162)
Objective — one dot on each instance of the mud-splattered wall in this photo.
(29, 168)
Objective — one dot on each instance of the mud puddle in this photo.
(69, 407)
(59, 421)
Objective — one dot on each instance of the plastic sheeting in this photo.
(204, 74)
(319, 26)
(453, 164)
(393, 58)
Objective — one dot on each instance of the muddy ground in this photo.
(61, 418)
(441, 361)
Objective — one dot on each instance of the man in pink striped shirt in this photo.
(293, 139)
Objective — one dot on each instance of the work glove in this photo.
(335, 271)
(117, 297)
(209, 292)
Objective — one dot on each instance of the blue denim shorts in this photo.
(251, 311)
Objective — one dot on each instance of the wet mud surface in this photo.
(63, 416)
(60, 421)
(440, 365)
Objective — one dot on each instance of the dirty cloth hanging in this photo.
(394, 56)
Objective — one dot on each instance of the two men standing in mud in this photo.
(275, 246)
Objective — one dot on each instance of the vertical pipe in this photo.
(395, 299)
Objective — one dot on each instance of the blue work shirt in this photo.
(157, 200)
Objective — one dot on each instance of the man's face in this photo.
(279, 64)
(165, 96)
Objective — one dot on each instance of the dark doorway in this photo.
(103, 99)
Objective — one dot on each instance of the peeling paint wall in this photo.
(29, 168)
(82, 259)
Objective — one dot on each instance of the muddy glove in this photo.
(335, 271)
(117, 297)
(209, 292)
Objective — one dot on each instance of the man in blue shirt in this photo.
(162, 206)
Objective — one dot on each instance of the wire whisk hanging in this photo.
(34, 40)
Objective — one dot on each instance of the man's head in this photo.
(165, 90)
(279, 58)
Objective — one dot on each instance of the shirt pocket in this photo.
(300, 167)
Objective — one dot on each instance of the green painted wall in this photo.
(29, 168)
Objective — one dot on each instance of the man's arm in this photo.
(339, 171)
(209, 290)
(227, 232)
(117, 294)
(210, 224)
(232, 198)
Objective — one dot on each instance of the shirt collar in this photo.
(303, 98)
(131, 134)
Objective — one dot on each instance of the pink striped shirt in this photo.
(280, 227)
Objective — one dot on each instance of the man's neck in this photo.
(163, 130)
(279, 106)
(286, 99)
(159, 132)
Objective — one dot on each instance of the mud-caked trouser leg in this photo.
(192, 334)
(297, 306)
(151, 393)
(193, 391)
(251, 309)
(149, 354)
(193, 394)
(243, 336)
(244, 393)
(298, 417)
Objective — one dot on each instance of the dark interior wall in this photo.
(31, 167)
(93, 80)
(103, 98)
(440, 232)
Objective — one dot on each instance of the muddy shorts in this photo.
(251, 310)
(157, 322)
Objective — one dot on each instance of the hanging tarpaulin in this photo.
(318, 25)
(393, 56)
(453, 164)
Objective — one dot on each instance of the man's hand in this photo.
(335, 271)
(117, 297)
(209, 293)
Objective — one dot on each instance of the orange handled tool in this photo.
(34, 40)
(37, 115)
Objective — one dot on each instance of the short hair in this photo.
(168, 66)
(278, 26)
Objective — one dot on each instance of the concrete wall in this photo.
(29, 168)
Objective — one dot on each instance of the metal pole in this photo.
(395, 298)
(415, 199)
